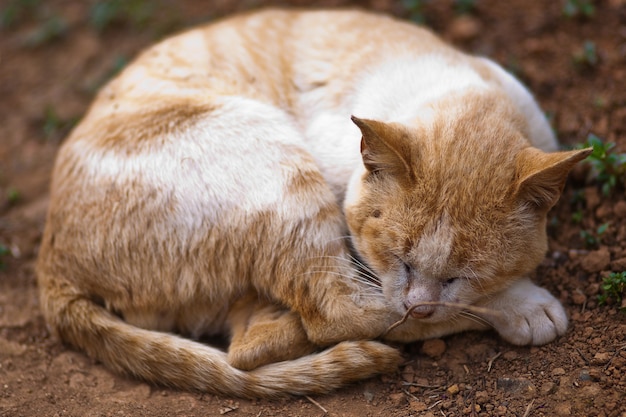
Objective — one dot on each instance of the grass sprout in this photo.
(614, 289)
(608, 168)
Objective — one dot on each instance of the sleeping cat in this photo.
(298, 181)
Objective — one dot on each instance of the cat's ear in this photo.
(384, 147)
(541, 176)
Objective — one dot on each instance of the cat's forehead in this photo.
(433, 249)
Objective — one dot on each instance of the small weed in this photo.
(415, 9)
(513, 66)
(4, 251)
(575, 8)
(16, 11)
(577, 216)
(119, 62)
(587, 56)
(578, 197)
(607, 167)
(464, 6)
(600, 102)
(578, 202)
(48, 26)
(108, 12)
(50, 29)
(54, 126)
(593, 239)
(614, 288)
(13, 195)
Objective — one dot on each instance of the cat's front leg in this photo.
(345, 315)
(527, 314)
(263, 333)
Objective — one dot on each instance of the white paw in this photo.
(529, 315)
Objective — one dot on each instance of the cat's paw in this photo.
(528, 315)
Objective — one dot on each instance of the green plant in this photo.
(593, 239)
(13, 195)
(574, 8)
(587, 56)
(577, 216)
(119, 62)
(4, 251)
(613, 288)
(48, 25)
(464, 6)
(53, 125)
(607, 167)
(15, 11)
(599, 102)
(135, 12)
(415, 9)
(50, 29)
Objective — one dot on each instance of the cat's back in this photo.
(275, 56)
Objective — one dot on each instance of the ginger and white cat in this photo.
(219, 186)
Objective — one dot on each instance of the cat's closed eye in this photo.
(450, 281)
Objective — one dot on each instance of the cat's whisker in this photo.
(368, 284)
(311, 272)
(347, 237)
(475, 318)
(363, 272)
(362, 265)
(368, 275)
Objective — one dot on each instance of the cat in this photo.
(299, 181)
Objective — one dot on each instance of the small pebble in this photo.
(418, 406)
(620, 209)
(453, 389)
(516, 385)
(563, 409)
(548, 388)
(597, 260)
(619, 264)
(601, 358)
(465, 27)
(592, 289)
(434, 348)
(397, 398)
(578, 297)
(482, 397)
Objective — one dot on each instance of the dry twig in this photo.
(467, 307)
(315, 403)
(527, 413)
(496, 356)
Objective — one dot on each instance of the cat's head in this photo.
(451, 212)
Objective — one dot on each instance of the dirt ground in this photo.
(54, 54)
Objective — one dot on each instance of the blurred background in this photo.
(56, 54)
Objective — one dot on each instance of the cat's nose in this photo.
(421, 312)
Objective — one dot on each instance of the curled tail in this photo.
(184, 364)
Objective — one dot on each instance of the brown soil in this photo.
(48, 81)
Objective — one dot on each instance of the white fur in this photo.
(541, 134)
(400, 90)
(528, 314)
(208, 187)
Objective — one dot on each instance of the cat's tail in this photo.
(184, 364)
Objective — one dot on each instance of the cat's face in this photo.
(442, 220)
